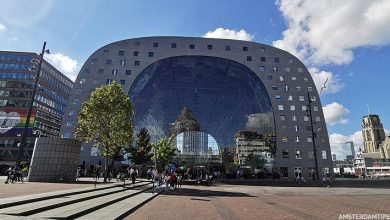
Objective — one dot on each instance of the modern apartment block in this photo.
(229, 85)
(17, 78)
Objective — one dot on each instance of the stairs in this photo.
(108, 202)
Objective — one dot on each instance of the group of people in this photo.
(168, 180)
(15, 174)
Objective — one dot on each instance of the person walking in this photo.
(133, 175)
(9, 175)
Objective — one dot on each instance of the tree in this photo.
(141, 154)
(164, 152)
(105, 120)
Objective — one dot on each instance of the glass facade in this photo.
(224, 97)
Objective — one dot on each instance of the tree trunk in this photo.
(105, 170)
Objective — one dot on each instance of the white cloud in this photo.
(339, 146)
(333, 82)
(65, 64)
(229, 34)
(326, 32)
(2, 27)
(335, 113)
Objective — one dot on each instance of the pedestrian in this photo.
(9, 174)
(133, 175)
(179, 178)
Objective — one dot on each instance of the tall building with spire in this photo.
(373, 133)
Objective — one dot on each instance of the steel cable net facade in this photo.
(228, 85)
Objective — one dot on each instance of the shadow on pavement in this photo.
(203, 193)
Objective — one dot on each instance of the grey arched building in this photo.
(229, 86)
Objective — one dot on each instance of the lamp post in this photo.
(24, 135)
(313, 136)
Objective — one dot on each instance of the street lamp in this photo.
(31, 102)
(313, 135)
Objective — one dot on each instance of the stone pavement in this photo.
(222, 201)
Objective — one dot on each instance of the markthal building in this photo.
(205, 92)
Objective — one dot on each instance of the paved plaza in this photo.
(219, 201)
(222, 201)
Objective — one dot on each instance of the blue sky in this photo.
(346, 42)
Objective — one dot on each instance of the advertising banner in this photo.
(13, 120)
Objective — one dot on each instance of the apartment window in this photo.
(287, 88)
(151, 54)
(288, 69)
(285, 139)
(301, 98)
(269, 77)
(122, 62)
(290, 60)
(93, 61)
(324, 156)
(262, 49)
(108, 81)
(283, 118)
(136, 53)
(280, 107)
(75, 101)
(322, 139)
(155, 44)
(290, 98)
(298, 88)
(192, 46)
(128, 72)
(209, 47)
(292, 107)
(276, 59)
(121, 53)
(281, 78)
(310, 154)
(72, 112)
(315, 108)
(296, 139)
(173, 45)
(306, 79)
(294, 118)
(262, 59)
(244, 48)
(114, 71)
(318, 118)
(309, 89)
(274, 88)
(137, 63)
(296, 128)
(106, 51)
(69, 123)
(82, 81)
(274, 68)
(248, 58)
(108, 61)
(309, 139)
(304, 108)
(277, 97)
(285, 154)
(293, 78)
(227, 48)
(306, 118)
(300, 70)
(298, 154)
(313, 98)
(123, 82)
(262, 68)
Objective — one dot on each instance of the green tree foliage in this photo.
(256, 161)
(164, 152)
(141, 154)
(105, 120)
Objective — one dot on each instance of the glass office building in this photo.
(17, 79)
(229, 86)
